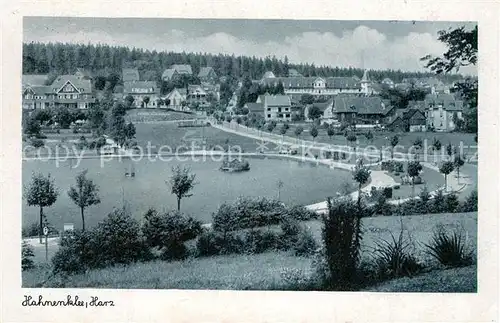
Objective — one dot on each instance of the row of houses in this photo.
(76, 91)
(437, 111)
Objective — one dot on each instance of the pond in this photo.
(303, 183)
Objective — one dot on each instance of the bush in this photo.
(300, 213)
(258, 241)
(437, 203)
(452, 203)
(305, 245)
(211, 243)
(116, 240)
(470, 203)
(40, 136)
(392, 166)
(169, 231)
(388, 192)
(381, 206)
(341, 237)
(248, 213)
(37, 143)
(393, 258)
(451, 250)
(31, 230)
(27, 254)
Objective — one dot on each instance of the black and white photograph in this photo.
(249, 154)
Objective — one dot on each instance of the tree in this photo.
(129, 101)
(436, 144)
(314, 133)
(146, 101)
(283, 130)
(418, 144)
(32, 127)
(394, 143)
(181, 183)
(85, 194)
(41, 192)
(360, 174)
(369, 136)
(314, 113)
(462, 50)
(413, 169)
(306, 99)
(446, 168)
(270, 126)
(298, 131)
(449, 150)
(351, 138)
(330, 131)
(457, 163)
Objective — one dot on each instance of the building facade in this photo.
(441, 111)
(277, 107)
(66, 91)
(146, 94)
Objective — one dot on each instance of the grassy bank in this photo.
(280, 270)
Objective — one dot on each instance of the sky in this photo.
(365, 44)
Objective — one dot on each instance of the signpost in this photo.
(46, 234)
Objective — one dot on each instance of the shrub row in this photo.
(292, 237)
(393, 166)
(247, 213)
(440, 203)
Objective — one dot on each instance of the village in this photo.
(307, 176)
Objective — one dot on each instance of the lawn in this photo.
(237, 272)
(406, 139)
(453, 280)
(148, 115)
(173, 136)
(265, 271)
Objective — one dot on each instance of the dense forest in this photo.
(62, 58)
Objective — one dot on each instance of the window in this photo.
(269, 116)
(279, 109)
(268, 109)
(288, 115)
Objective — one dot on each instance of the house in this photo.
(388, 82)
(145, 93)
(326, 109)
(277, 107)
(412, 120)
(293, 73)
(83, 73)
(441, 111)
(362, 110)
(182, 69)
(169, 74)
(130, 75)
(197, 95)
(207, 75)
(66, 91)
(177, 99)
(366, 84)
(268, 75)
(295, 87)
(255, 108)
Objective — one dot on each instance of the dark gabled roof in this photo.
(322, 106)
(254, 107)
(205, 71)
(419, 105)
(83, 86)
(145, 86)
(361, 105)
(168, 73)
(34, 79)
(130, 75)
(182, 68)
(83, 72)
(449, 102)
